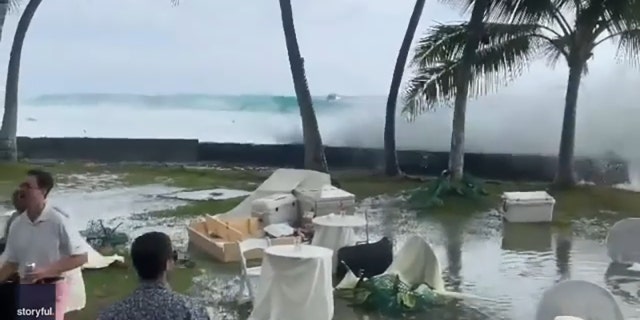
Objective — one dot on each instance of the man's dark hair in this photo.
(150, 253)
(16, 198)
(44, 179)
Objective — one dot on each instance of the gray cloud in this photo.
(217, 46)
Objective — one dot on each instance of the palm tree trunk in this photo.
(314, 158)
(8, 148)
(4, 9)
(391, 157)
(565, 176)
(474, 33)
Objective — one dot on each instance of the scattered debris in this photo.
(104, 239)
(183, 259)
(387, 294)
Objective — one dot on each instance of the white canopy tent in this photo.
(580, 299)
(280, 181)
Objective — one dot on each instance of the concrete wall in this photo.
(109, 150)
(491, 166)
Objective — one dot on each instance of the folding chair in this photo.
(247, 273)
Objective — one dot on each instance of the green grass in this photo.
(198, 208)
(580, 202)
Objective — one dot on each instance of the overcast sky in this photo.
(229, 47)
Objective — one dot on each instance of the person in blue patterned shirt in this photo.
(152, 257)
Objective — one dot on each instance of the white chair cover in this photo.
(416, 263)
(622, 241)
(580, 299)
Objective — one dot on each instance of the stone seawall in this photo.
(490, 166)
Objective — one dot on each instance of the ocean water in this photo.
(507, 122)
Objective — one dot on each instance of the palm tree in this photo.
(8, 131)
(5, 7)
(420, 94)
(314, 158)
(521, 31)
(391, 157)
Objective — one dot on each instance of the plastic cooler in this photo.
(527, 207)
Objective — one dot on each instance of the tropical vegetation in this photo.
(516, 33)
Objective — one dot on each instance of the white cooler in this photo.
(276, 208)
(527, 207)
(325, 200)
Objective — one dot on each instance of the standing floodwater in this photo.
(510, 264)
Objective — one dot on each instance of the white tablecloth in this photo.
(295, 284)
(335, 232)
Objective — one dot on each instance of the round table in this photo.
(295, 283)
(335, 232)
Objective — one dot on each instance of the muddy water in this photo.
(509, 264)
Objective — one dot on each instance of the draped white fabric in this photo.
(280, 181)
(335, 232)
(416, 263)
(295, 284)
(579, 299)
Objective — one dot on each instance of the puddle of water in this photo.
(113, 205)
(213, 194)
(510, 264)
(87, 181)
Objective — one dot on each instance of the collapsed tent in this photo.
(622, 241)
(281, 181)
(578, 298)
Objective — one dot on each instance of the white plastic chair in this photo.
(254, 272)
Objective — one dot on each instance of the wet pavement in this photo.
(509, 264)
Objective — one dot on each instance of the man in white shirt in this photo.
(44, 236)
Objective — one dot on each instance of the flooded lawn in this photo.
(511, 265)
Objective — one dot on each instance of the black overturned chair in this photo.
(368, 259)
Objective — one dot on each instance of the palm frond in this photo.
(13, 6)
(629, 46)
(522, 11)
(616, 16)
(445, 42)
(430, 87)
(496, 64)
(555, 48)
